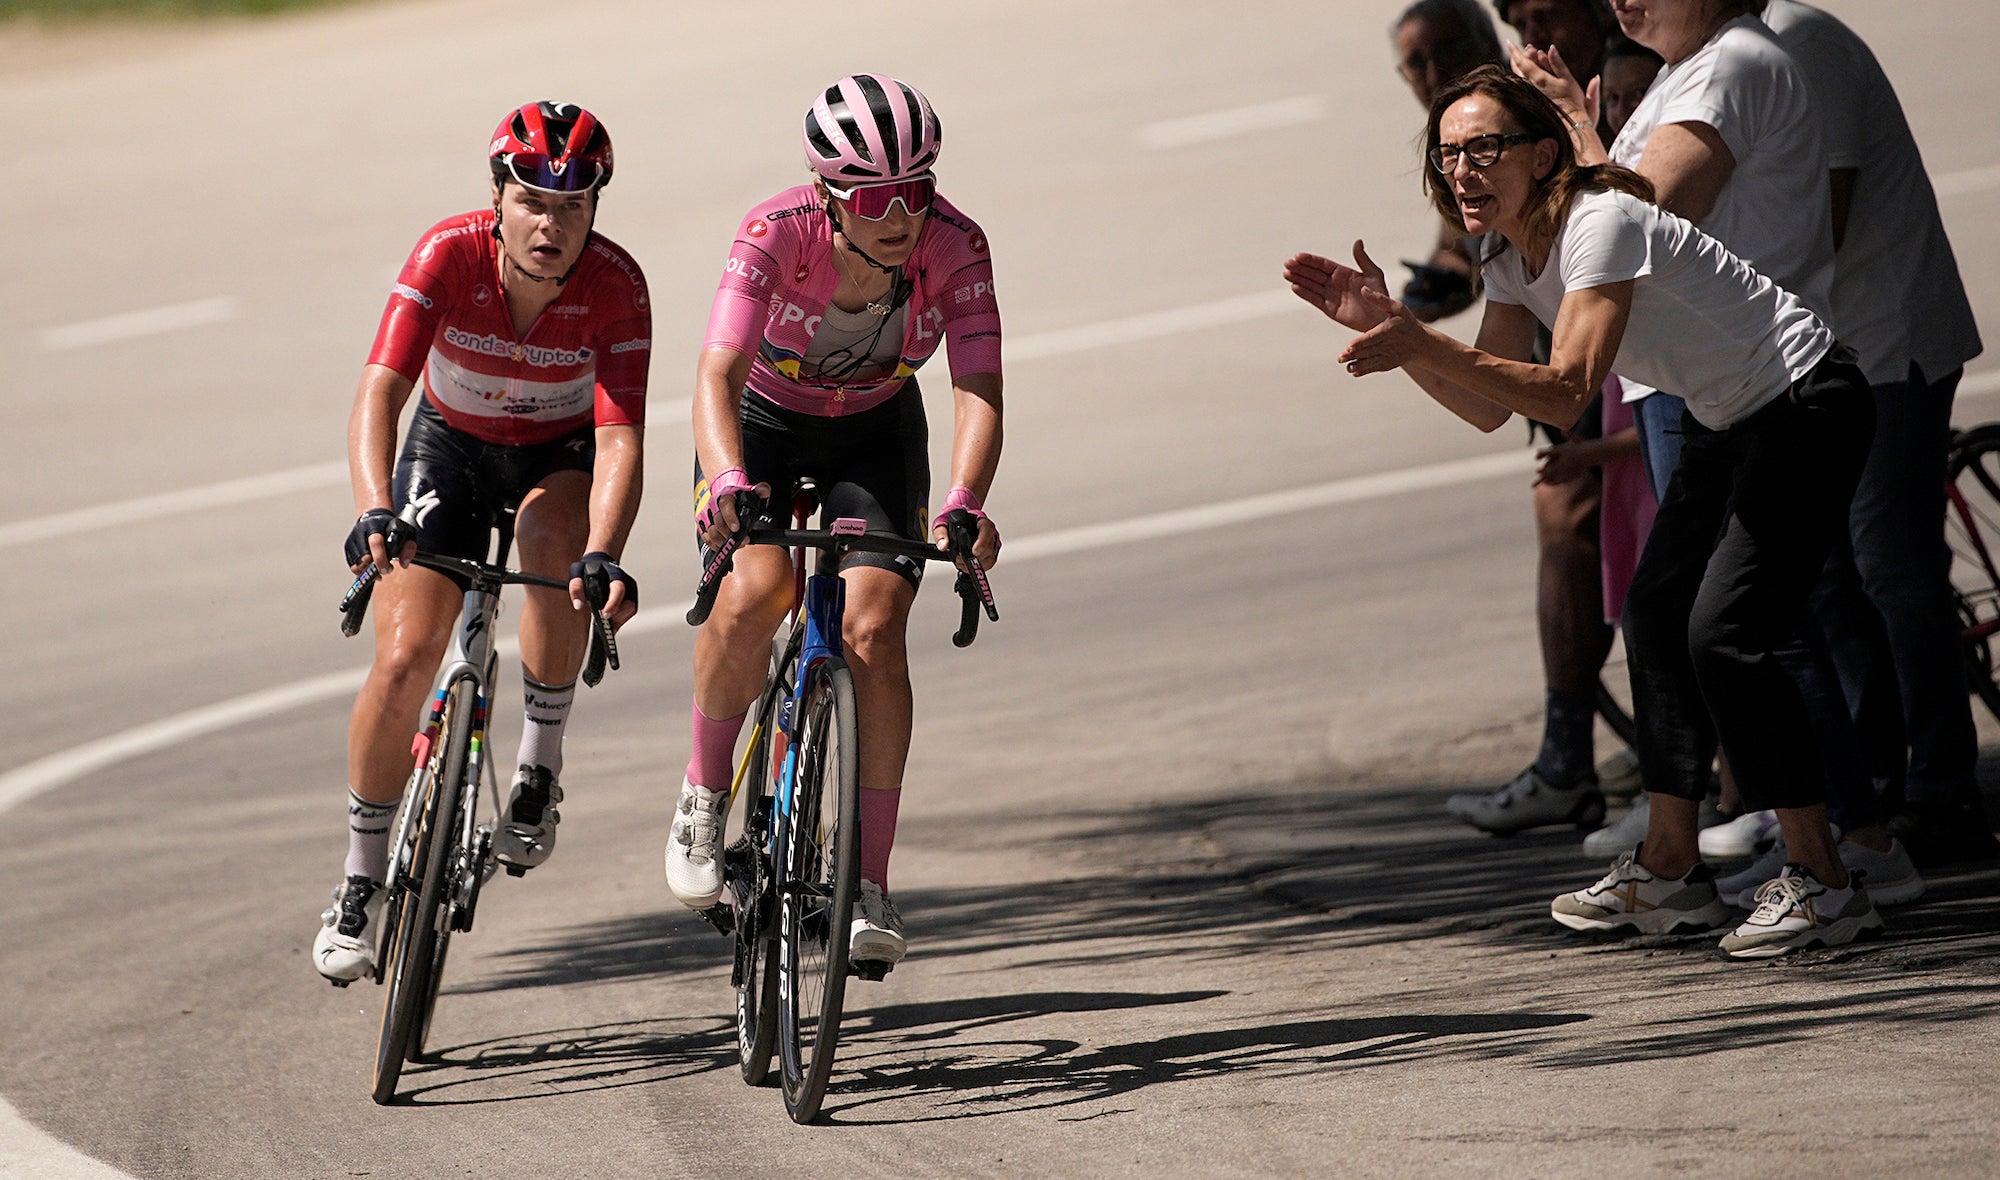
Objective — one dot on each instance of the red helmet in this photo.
(552, 146)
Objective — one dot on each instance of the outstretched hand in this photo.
(1339, 291)
(1546, 71)
(1395, 340)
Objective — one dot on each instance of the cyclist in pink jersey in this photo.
(529, 335)
(833, 295)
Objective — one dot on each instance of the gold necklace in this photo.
(874, 308)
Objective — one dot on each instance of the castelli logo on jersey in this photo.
(977, 241)
(482, 295)
(758, 228)
(799, 275)
(639, 299)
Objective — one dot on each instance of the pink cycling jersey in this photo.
(780, 278)
(582, 362)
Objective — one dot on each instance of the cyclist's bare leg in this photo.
(732, 651)
(550, 530)
(414, 611)
(878, 617)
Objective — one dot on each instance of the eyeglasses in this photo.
(566, 176)
(1483, 150)
(871, 202)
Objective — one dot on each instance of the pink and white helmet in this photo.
(870, 128)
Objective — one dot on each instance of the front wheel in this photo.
(816, 893)
(416, 959)
(752, 885)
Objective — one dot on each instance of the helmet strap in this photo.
(833, 217)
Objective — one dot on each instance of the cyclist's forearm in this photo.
(976, 432)
(371, 435)
(720, 375)
(616, 483)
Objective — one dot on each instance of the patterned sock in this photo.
(1567, 739)
(368, 837)
(547, 715)
(878, 833)
(712, 764)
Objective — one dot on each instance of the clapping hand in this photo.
(1546, 71)
(1340, 291)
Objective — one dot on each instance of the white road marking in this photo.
(1972, 180)
(1264, 116)
(26, 1152)
(46, 774)
(138, 323)
(1039, 346)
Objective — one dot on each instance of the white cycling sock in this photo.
(368, 837)
(542, 726)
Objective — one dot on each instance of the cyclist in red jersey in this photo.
(833, 295)
(530, 336)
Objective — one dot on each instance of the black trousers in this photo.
(1746, 526)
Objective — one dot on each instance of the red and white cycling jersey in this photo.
(582, 363)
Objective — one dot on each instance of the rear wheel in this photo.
(1972, 533)
(751, 884)
(816, 900)
(417, 956)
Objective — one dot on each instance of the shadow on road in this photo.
(1339, 871)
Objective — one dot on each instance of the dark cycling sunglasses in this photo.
(535, 171)
(871, 202)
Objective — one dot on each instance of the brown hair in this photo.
(1532, 112)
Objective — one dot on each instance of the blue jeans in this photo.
(1658, 418)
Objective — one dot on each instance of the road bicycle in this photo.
(791, 875)
(1972, 531)
(443, 851)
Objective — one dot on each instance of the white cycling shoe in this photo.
(876, 933)
(344, 949)
(526, 835)
(694, 846)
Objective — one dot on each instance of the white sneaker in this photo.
(1630, 897)
(1796, 910)
(694, 846)
(876, 934)
(1530, 801)
(1739, 837)
(526, 834)
(1740, 888)
(1623, 834)
(344, 949)
(1891, 876)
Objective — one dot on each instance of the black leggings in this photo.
(1741, 537)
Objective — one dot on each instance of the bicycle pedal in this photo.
(872, 970)
(340, 982)
(517, 870)
(720, 916)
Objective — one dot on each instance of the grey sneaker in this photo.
(1796, 910)
(1631, 898)
(1891, 876)
(344, 949)
(1530, 801)
(527, 831)
(694, 846)
(876, 934)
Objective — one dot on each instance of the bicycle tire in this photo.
(756, 926)
(412, 975)
(1972, 535)
(816, 902)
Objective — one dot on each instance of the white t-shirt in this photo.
(1703, 325)
(1897, 297)
(1774, 212)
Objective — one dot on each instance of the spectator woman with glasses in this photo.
(1778, 430)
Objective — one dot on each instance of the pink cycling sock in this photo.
(878, 833)
(711, 765)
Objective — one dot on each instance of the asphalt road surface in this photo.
(1180, 894)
